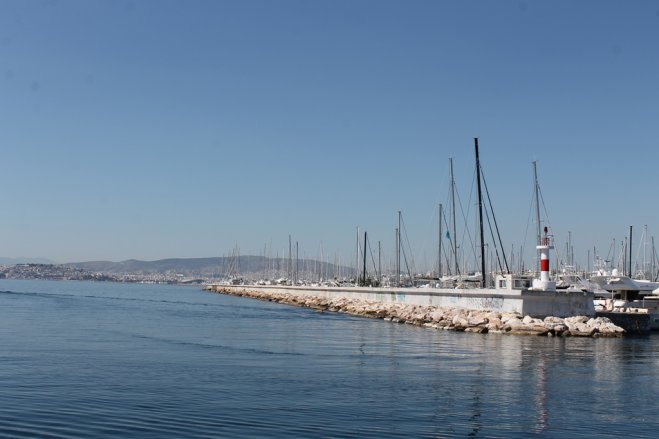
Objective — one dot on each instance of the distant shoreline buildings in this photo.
(66, 272)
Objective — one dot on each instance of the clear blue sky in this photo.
(153, 129)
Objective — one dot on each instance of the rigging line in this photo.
(451, 243)
(472, 241)
(496, 249)
(489, 200)
(639, 249)
(489, 225)
(528, 222)
(609, 252)
(368, 242)
(623, 254)
(406, 265)
(446, 255)
(450, 246)
(544, 208)
(446, 259)
(559, 256)
(557, 250)
(465, 230)
(453, 234)
(494, 243)
(407, 240)
(431, 225)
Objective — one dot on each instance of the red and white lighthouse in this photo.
(543, 247)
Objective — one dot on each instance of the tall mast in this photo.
(439, 249)
(297, 261)
(455, 237)
(537, 203)
(290, 259)
(630, 251)
(397, 260)
(536, 187)
(379, 264)
(357, 258)
(652, 272)
(398, 248)
(645, 250)
(364, 276)
(512, 256)
(480, 212)
(623, 252)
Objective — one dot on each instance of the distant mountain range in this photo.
(214, 267)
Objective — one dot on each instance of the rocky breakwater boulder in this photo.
(454, 319)
(588, 327)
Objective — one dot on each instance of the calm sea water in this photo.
(112, 360)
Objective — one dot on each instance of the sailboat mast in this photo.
(357, 258)
(623, 255)
(653, 261)
(379, 264)
(537, 209)
(455, 237)
(645, 250)
(364, 276)
(630, 251)
(396, 260)
(537, 203)
(439, 249)
(398, 231)
(480, 212)
(290, 259)
(297, 261)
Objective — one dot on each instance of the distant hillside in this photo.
(183, 266)
(214, 267)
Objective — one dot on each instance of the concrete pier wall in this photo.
(532, 303)
(634, 323)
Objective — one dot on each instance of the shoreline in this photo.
(439, 317)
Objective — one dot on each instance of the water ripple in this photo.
(161, 362)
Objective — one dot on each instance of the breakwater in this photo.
(433, 316)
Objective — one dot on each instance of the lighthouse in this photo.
(543, 247)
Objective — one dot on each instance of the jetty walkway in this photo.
(432, 316)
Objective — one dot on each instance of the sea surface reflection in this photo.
(105, 360)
